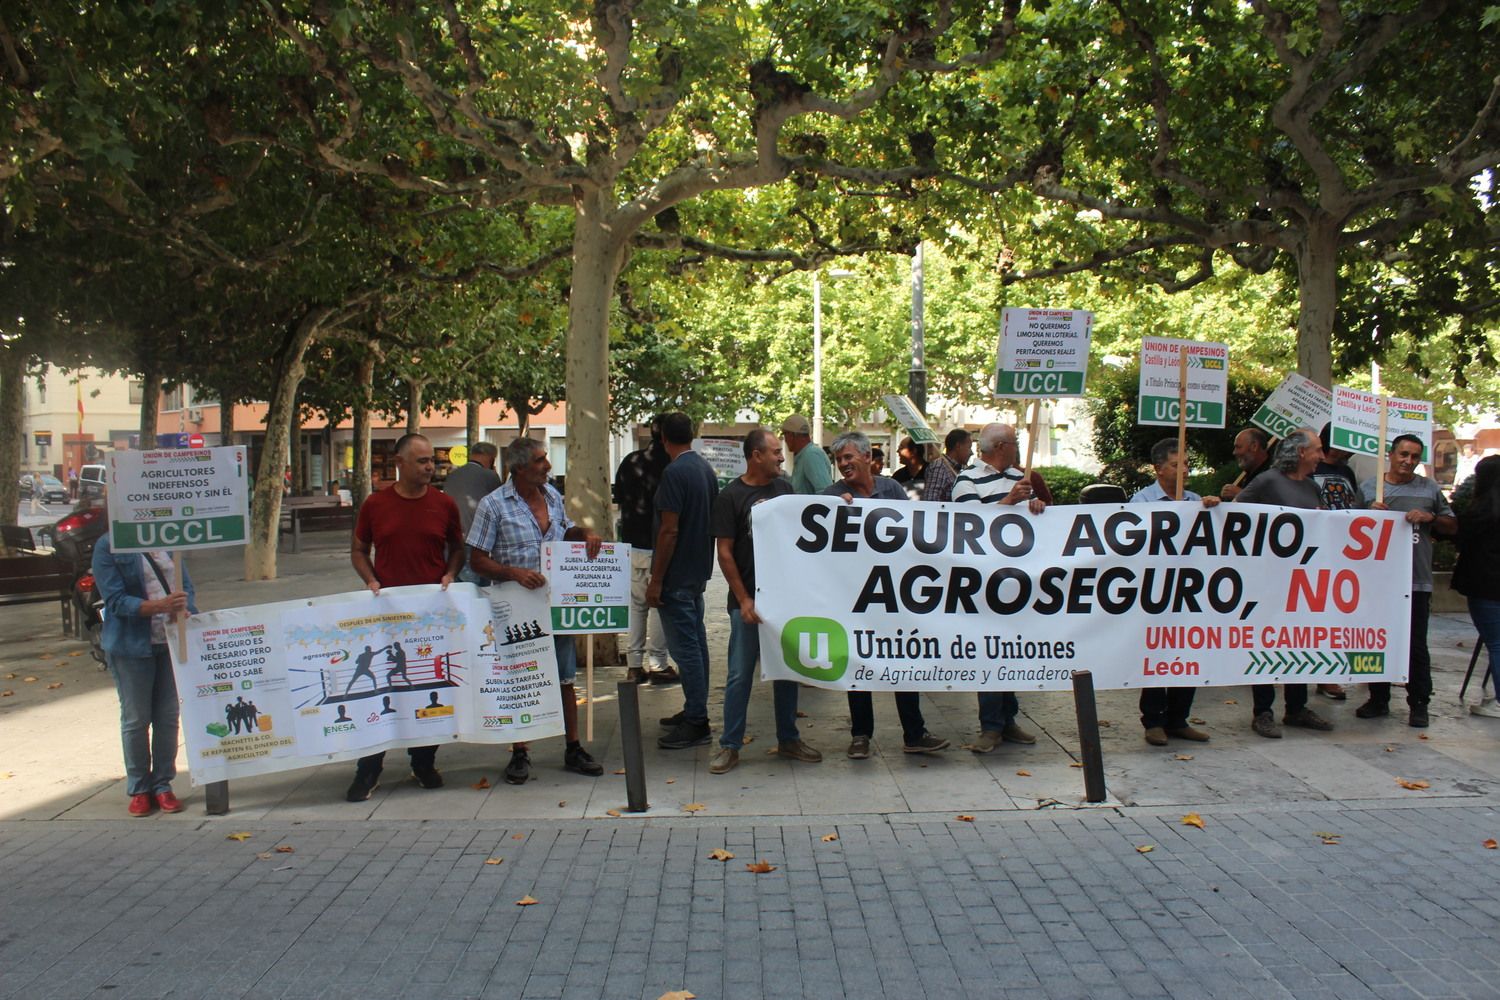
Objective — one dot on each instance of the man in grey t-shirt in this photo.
(1427, 511)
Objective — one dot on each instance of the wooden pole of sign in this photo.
(1381, 456)
(588, 689)
(1182, 380)
(1036, 416)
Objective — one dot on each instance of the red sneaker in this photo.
(141, 805)
(168, 802)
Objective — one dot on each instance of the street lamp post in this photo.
(834, 274)
(916, 379)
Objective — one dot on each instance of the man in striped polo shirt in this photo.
(996, 480)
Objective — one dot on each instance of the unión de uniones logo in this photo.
(816, 648)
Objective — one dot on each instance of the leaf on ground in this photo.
(285, 849)
(527, 901)
(1023, 774)
(264, 855)
(1198, 722)
(29, 680)
(620, 771)
(1333, 841)
(241, 836)
(1104, 723)
(761, 867)
(7, 694)
(54, 687)
(1423, 736)
(1182, 756)
(964, 818)
(1390, 749)
(671, 781)
(1325, 834)
(1145, 849)
(1076, 764)
(76, 652)
(1231, 701)
(562, 803)
(694, 807)
(678, 995)
(801, 714)
(719, 854)
(829, 838)
(481, 784)
(1490, 845)
(518, 836)
(1193, 819)
(44, 656)
(493, 861)
(1412, 786)
(749, 740)
(612, 812)
(10, 677)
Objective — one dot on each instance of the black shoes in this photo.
(685, 734)
(580, 760)
(1418, 717)
(362, 787)
(1373, 709)
(518, 771)
(427, 777)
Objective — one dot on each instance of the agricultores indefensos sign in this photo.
(181, 498)
(924, 596)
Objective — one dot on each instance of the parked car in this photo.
(91, 480)
(48, 489)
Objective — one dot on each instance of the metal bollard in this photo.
(216, 798)
(630, 745)
(1088, 736)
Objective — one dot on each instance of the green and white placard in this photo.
(588, 596)
(1207, 382)
(1356, 422)
(1297, 402)
(179, 498)
(905, 413)
(1043, 353)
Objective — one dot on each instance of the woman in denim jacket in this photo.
(139, 603)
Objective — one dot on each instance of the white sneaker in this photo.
(1489, 708)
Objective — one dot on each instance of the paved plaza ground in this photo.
(879, 888)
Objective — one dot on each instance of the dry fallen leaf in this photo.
(1193, 819)
(801, 714)
(1145, 849)
(612, 812)
(44, 656)
(1423, 736)
(6, 694)
(518, 836)
(1230, 701)
(719, 854)
(526, 901)
(1390, 749)
(761, 867)
(29, 680)
(829, 838)
(1326, 834)
(76, 652)
(54, 687)
(1182, 756)
(1334, 841)
(10, 677)
(964, 818)
(749, 740)
(1075, 764)
(1198, 722)
(1490, 844)
(671, 781)
(481, 784)
(678, 995)
(694, 807)
(1412, 786)
(1023, 774)
(620, 771)
(1103, 723)
(562, 803)
(285, 849)
(241, 836)
(264, 855)
(493, 861)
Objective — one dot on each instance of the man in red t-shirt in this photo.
(417, 539)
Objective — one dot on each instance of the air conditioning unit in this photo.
(195, 414)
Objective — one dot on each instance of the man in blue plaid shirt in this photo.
(505, 543)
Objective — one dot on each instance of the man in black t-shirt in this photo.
(730, 525)
(635, 486)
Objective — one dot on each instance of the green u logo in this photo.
(816, 648)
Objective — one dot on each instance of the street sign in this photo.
(1357, 423)
(588, 595)
(1160, 386)
(189, 498)
(1297, 402)
(195, 441)
(1043, 353)
(910, 418)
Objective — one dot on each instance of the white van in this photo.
(91, 481)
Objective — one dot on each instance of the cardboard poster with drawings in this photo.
(517, 695)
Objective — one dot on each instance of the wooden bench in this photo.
(315, 513)
(36, 579)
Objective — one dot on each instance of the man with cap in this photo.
(811, 470)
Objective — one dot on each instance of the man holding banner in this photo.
(1288, 483)
(851, 450)
(417, 540)
(1427, 511)
(1251, 454)
(761, 481)
(996, 480)
(505, 544)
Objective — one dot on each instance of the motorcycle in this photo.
(73, 538)
(88, 609)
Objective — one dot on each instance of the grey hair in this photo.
(1289, 452)
(995, 435)
(521, 451)
(857, 438)
(1163, 450)
(484, 448)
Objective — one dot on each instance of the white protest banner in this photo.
(588, 595)
(1207, 382)
(926, 597)
(297, 683)
(519, 695)
(189, 498)
(726, 457)
(1042, 352)
(1297, 402)
(905, 413)
(1356, 422)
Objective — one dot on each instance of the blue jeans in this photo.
(148, 720)
(687, 641)
(1486, 616)
(744, 652)
(997, 709)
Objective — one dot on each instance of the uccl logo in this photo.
(817, 648)
(1366, 663)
